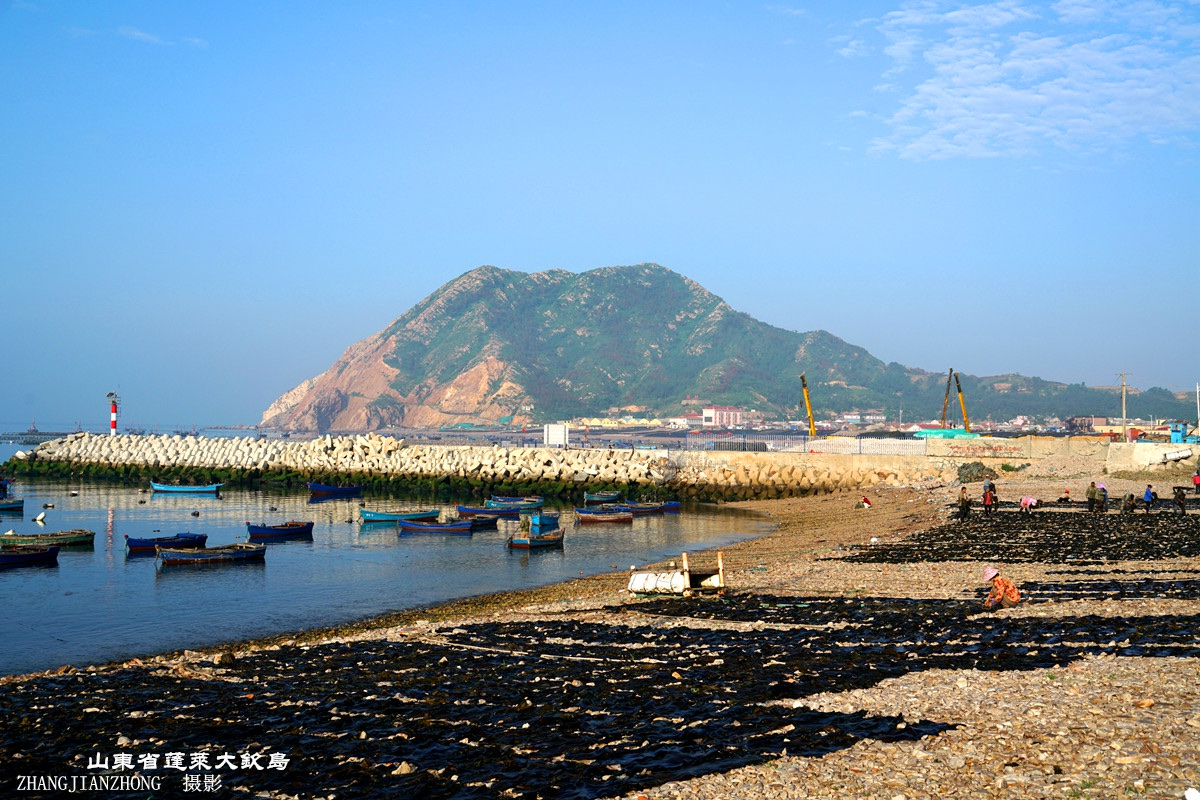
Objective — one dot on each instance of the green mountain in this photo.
(498, 345)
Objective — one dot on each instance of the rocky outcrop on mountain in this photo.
(501, 346)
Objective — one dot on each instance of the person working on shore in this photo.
(1027, 504)
(1196, 481)
(1004, 592)
(1103, 498)
(1129, 504)
(1092, 495)
(1181, 499)
(1066, 498)
(1149, 497)
(989, 500)
(964, 504)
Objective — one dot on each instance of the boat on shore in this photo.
(73, 538)
(240, 552)
(173, 488)
(20, 555)
(285, 530)
(325, 490)
(396, 516)
(179, 540)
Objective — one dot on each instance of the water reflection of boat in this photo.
(179, 540)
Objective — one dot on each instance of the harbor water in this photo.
(100, 604)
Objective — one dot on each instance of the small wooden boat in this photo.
(481, 522)
(396, 516)
(601, 497)
(671, 506)
(241, 551)
(595, 517)
(73, 538)
(507, 512)
(19, 555)
(530, 540)
(641, 508)
(513, 503)
(416, 526)
(325, 490)
(16, 504)
(179, 540)
(285, 530)
(210, 488)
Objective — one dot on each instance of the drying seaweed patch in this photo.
(1046, 537)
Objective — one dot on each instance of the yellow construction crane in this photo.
(812, 428)
(961, 402)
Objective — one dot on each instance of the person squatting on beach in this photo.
(1004, 592)
(1129, 503)
(989, 500)
(1028, 504)
(964, 504)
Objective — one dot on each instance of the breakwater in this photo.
(388, 462)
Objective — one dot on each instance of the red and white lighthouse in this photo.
(112, 418)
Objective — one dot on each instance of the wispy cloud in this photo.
(141, 36)
(200, 43)
(849, 47)
(787, 11)
(1011, 77)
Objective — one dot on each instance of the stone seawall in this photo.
(683, 473)
(698, 474)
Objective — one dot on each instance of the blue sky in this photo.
(202, 205)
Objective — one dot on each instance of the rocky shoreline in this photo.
(850, 658)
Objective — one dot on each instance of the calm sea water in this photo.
(100, 605)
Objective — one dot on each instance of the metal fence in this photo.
(800, 443)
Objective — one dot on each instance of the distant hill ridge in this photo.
(495, 346)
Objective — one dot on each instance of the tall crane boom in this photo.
(812, 428)
(946, 402)
(963, 404)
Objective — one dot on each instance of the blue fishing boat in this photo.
(325, 490)
(180, 540)
(543, 521)
(210, 488)
(285, 530)
(28, 554)
(416, 526)
(589, 517)
(601, 497)
(240, 552)
(517, 502)
(396, 516)
(514, 501)
(13, 504)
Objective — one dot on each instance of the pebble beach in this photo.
(849, 657)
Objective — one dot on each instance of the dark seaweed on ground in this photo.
(1045, 537)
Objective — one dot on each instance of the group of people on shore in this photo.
(991, 499)
(1096, 496)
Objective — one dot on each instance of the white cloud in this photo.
(140, 36)
(1010, 77)
(787, 11)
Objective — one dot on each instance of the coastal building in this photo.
(722, 416)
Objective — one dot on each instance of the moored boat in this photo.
(181, 540)
(536, 499)
(506, 512)
(396, 516)
(585, 517)
(543, 521)
(72, 538)
(533, 540)
(12, 504)
(284, 530)
(416, 526)
(171, 488)
(18, 555)
(514, 503)
(601, 497)
(213, 555)
(325, 490)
